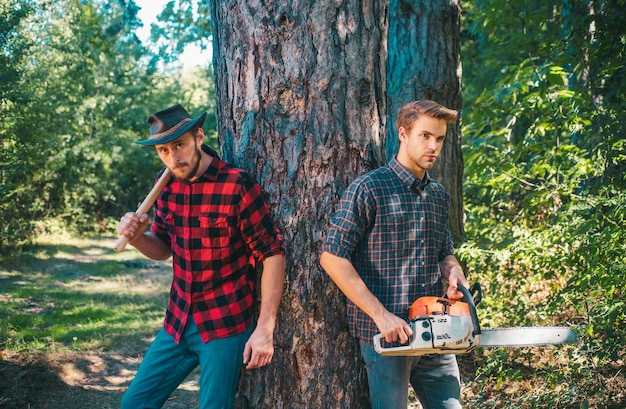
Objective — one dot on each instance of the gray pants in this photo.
(434, 378)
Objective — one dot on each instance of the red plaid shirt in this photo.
(218, 226)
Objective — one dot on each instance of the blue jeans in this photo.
(167, 364)
(435, 379)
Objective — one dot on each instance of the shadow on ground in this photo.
(72, 380)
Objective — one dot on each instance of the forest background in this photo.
(543, 145)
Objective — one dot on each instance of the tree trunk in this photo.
(301, 106)
(424, 62)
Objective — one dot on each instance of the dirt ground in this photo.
(74, 380)
(70, 379)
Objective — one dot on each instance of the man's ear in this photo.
(402, 134)
(199, 137)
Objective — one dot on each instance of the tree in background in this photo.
(18, 154)
(181, 23)
(301, 100)
(424, 62)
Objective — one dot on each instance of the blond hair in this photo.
(411, 111)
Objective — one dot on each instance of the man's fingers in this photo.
(247, 352)
(407, 330)
(401, 334)
(258, 360)
(130, 224)
(405, 334)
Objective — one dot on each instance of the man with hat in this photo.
(211, 218)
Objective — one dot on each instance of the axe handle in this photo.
(143, 208)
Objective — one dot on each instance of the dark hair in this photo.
(411, 111)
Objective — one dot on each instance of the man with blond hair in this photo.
(389, 243)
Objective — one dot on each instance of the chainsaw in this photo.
(445, 326)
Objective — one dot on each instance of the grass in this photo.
(75, 320)
(79, 295)
(75, 317)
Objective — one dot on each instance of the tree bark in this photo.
(301, 106)
(423, 62)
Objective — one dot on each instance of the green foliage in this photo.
(15, 206)
(182, 23)
(75, 92)
(545, 176)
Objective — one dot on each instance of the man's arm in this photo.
(452, 272)
(147, 243)
(343, 273)
(259, 349)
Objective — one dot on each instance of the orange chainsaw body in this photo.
(424, 306)
(445, 326)
(440, 326)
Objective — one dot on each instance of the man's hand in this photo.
(259, 349)
(132, 226)
(393, 328)
(343, 273)
(148, 244)
(455, 279)
(452, 273)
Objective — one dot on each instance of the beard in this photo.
(190, 175)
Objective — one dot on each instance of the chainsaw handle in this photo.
(477, 293)
(378, 346)
(472, 307)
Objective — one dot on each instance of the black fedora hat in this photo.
(170, 124)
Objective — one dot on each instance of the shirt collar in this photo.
(408, 177)
(210, 151)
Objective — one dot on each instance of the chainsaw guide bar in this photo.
(444, 326)
(519, 337)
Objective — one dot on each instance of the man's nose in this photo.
(176, 156)
(433, 144)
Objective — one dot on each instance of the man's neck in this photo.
(420, 173)
(205, 161)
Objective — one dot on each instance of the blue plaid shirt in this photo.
(394, 229)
